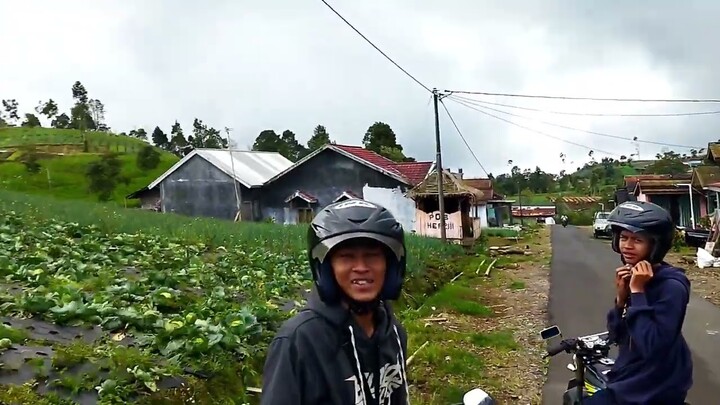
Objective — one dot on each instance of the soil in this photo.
(705, 282)
(519, 298)
(516, 294)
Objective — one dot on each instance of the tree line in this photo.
(88, 114)
(85, 114)
(593, 178)
(379, 138)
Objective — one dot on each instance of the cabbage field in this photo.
(91, 316)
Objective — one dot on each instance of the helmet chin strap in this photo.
(361, 307)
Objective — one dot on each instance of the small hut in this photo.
(458, 198)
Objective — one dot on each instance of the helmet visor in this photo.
(633, 229)
(323, 248)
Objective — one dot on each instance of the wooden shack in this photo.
(458, 198)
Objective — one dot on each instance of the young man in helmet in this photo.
(345, 346)
(654, 365)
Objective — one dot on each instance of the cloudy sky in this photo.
(293, 64)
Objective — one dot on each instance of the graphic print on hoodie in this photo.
(317, 356)
(654, 364)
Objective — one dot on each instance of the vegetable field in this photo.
(90, 315)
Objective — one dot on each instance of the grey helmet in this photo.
(648, 218)
(354, 219)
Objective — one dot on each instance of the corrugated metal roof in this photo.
(251, 168)
(301, 195)
(705, 175)
(713, 151)
(577, 199)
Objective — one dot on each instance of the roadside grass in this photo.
(452, 361)
(501, 232)
(464, 324)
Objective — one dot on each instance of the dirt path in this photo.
(484, 331)
(705, 282)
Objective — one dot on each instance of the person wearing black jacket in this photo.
(345, 346)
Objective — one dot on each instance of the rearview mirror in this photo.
(550, 332)
(477, 397)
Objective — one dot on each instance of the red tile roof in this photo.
(533, 212)
(480, 183)
(346, 194)
(302, 195)
(414, 172)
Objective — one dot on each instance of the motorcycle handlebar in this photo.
(566, 345)
(560, 347)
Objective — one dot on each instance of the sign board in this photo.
(428, 224)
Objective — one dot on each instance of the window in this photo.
(305, 215)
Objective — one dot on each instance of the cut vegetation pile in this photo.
(94, 315)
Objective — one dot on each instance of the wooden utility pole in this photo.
(439, 169)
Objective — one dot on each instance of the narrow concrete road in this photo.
(581, 293)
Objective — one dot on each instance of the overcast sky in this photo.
(293, 64)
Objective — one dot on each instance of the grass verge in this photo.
(483, 331)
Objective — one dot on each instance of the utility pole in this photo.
(232, 165)
(439, 169)
(522, 220)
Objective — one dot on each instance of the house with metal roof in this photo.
(217, 183)
(672, 192)
(336, 172)
(492, 209)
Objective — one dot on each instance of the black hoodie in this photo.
(316, 356)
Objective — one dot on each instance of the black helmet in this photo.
(645, 217)
(355, 219)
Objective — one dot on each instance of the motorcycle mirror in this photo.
(477, 397)
(550, 332)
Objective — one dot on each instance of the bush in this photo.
(148, 158)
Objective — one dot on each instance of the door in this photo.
(305, 215)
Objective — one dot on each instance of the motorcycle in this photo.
(564, 222)
(590, 362)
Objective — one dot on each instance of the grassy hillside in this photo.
(65, 158)
(628, 169)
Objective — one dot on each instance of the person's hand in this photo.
(622, 277)
(641, 274)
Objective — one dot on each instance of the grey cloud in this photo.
(286, 64)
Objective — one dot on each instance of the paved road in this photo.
(581, 293)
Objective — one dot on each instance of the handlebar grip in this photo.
(559, 348)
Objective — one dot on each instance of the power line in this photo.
(537, 131)
(644, 100)
(463, 138)
(376, 48)
(583, 130)
(590, 114)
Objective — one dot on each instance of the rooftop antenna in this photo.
(232, 165)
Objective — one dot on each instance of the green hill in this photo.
(64, 156)
(627, 169)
